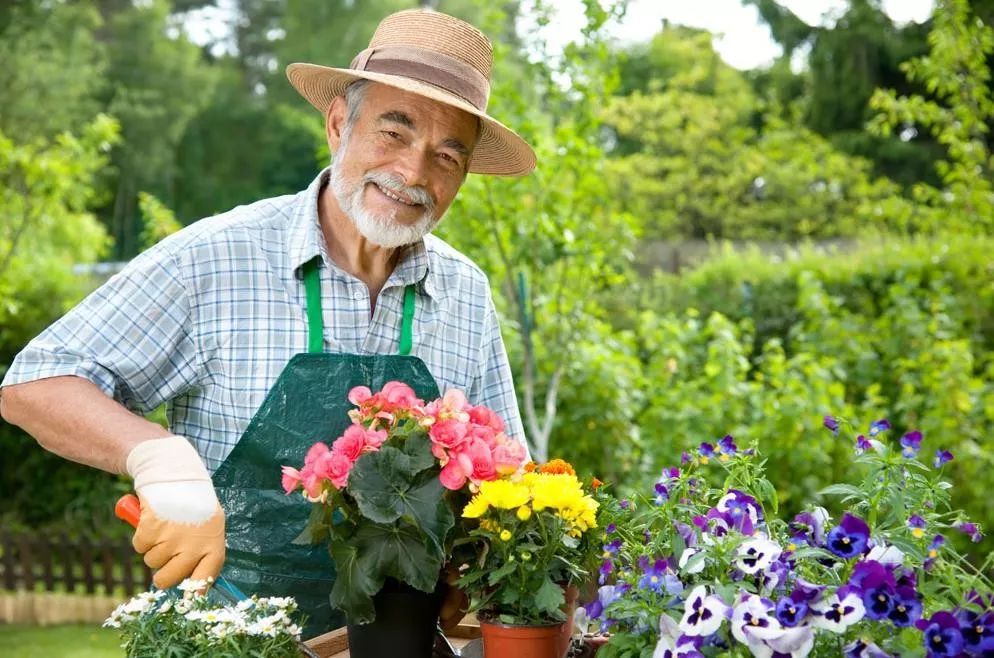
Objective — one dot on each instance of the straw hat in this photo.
(436, 56)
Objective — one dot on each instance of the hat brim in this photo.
(499, 151)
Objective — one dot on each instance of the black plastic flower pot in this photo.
(405, 624)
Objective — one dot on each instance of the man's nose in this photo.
(413, 165)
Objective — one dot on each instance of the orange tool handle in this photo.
(128, 509)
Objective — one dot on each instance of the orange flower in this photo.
(530, 467)
(596, 484)
(557, 467)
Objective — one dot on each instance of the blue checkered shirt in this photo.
(207, 319)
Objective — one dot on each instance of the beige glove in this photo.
(181, 531)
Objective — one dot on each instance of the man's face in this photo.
(398, 167)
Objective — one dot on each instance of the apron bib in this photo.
(308, 403)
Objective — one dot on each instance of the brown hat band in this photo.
(451, 74)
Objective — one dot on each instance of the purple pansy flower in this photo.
(911, 443)
(864, 649)
(706, 451)
(686, 533)
(606, 569)
(907, 607)
(838, 611)
(606, 595)
(942, 634)
(942, 457)
(726, 446)
(611, 528)
(662, 494)
(745, 512)
(977, 630)
(754, 619)
(878, 426)
(862, 444)
(917, 525)
(970, 529)
(703, 613)
(624, 503)
(791, 610)
(685, 458)
(674, 644)
(756, 555)
(611, 548)
(775, 576)
(849, 538)
(831, 424)
(809, 527)
(671, 473)
(656, 576)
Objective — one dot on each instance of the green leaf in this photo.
(418, 448)
(386, 489)
(377, 481)
(398, 551)
(549, 597)
(355, 584)
(504, 570)
(841, 490)
(768, 493)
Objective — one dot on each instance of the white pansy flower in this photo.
(756, 555)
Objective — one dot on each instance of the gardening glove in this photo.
(181, 529)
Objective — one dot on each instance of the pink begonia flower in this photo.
(449, 434)
(482, 433)
(375, 439)
(451, 406)
(477, 462)
(351, 443)
(339, 467)
(509, 455)
(312, 482)
(487, 417)
(359, 394)
(315, 452)
(399, 394)
(290, 479)
(452, 476)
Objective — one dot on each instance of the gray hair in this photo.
(354, 95)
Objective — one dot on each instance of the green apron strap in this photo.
(406, 324)
(315, 321)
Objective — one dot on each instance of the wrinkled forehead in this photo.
(425, 116)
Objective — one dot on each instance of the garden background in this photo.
(702, 251)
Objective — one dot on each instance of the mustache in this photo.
(415, 193)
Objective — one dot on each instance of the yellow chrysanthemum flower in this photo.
(504, 494)
(524, 512)
(505, 535)
(476, 507)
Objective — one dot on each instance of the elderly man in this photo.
(253, 325)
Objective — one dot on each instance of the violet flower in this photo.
(662, 494)
(809, 527)
(942, 634)
(753, 618)
(878, 426)
(849, 538)
(977, 630)
(907, 607)
(726, 447)
(942, 457)
(703, 613)
(970, 529)
(864, 649)
(706, 452)
(791, 610)
(831, 424)
(756, 555)
(838, 611)
(862, 444)
(744, 509)
(911, 443)
(917, 525)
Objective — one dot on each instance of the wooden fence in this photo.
(36, 562)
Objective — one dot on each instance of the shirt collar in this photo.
(306, 241)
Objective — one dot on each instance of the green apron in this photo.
(308, 403)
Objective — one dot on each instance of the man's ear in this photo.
(335, 120)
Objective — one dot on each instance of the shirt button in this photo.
(358, 295)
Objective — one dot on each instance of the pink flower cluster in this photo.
(469, 442)
(323, 464)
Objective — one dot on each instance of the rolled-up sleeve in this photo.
(494, 385)
(131, 337)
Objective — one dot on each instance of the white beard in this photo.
(383, 230)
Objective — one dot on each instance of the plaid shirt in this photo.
(207, 319)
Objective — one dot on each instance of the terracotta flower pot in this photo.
(503, 641)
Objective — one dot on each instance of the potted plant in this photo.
(530, 537)
(701, 566)
(384, 496)
(157, 623)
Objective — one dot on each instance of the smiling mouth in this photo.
(391, 195)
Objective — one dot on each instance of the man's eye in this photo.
(391, 134)
(448, 158)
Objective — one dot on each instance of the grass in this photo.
(70, 641)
